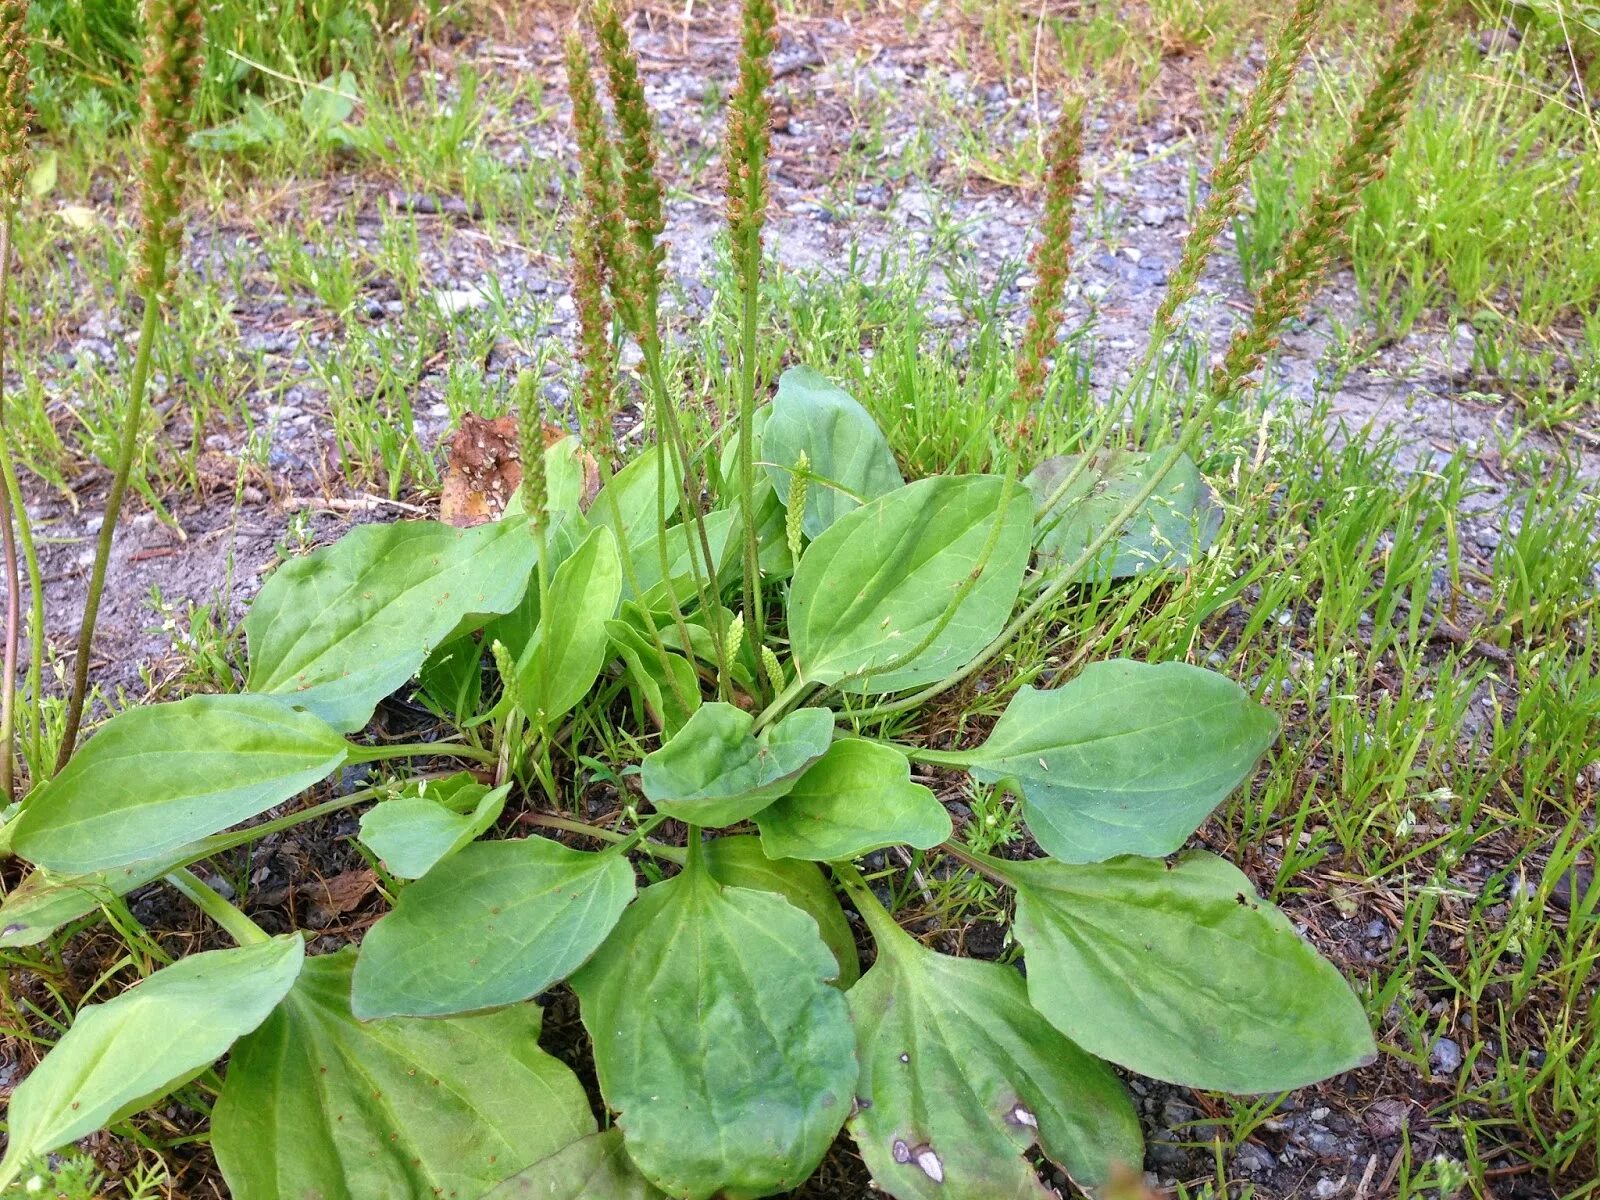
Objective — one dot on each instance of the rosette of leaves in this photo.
(733, 1034)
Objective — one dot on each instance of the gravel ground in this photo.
(1339, 1140)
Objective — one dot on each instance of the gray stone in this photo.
(1445, 1056)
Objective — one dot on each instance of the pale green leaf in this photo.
(1172, 529)
(159, 776)
(452, 678)
(715, 772)
(565, 655)
(344, 626)
(124, 1055)
(413, 833)
(741, 862)
(496, 923)
(717, 1039)
(668, 700)
(961, 1078)
(632, 494)
(1126, 758)
(856, 798)
(593, 1168)
(1180, 972)
(686, 555)
(320, 1106)
(873, 587)
(849, 457)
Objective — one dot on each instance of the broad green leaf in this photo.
(1173, 528)
(717, 1039)
(565, 655)
(1126, 758)
(685, 554)
(341, 628)
(669, 706)
(452, 678)
(856, 798)
(740, 862)
(320, 1106)
(329, 103)
(593, 1168)
(961, 1078)
(851, 462)
(1180, 972)
(715, 772)
(632, 495)
(869, 590)
(496, 923)
(413, 833)
(160, 776)
(44, 901)
(124, 1055)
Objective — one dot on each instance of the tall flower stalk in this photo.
(1323, 232)
(1301, 267)
(13, 170)
(642, 211)
(174, 39)
(602, 267)
(1228, 181)
(1051, 258)
(748, 142)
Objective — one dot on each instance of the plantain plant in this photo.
(734, 1035)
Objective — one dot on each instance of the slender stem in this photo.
(366, 754)
(631, 574)
(675, 854)
(885, 929)
(233, 922)
(784, 700)
(755, 625)
(132, 419)
(708, 589)
(10, 503)
(938, 758)
(36, 628)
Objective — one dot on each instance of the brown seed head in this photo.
(174, 44)
(13, 101)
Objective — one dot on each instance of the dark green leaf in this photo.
(717, 1039)
(1173, 528)
(856, 798)
(715, 772)
(412, 833)
(1127, 758)
(685, 554)
(160, 776)
(869, 590)
(124, 1055)
(962, 1077)
(593, 1168)
(669, 706)
(565, 655)
(740, 862)
(843, 443)
(452, 678)
(497, 923)
(1178, 971)
(320, 1106)
(341, 628)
